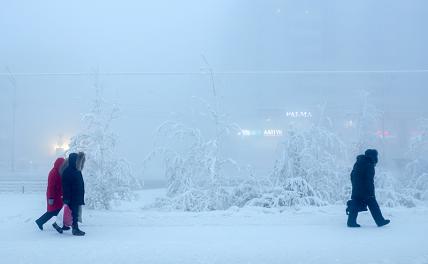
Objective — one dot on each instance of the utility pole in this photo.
(210, 71)
(12, 148)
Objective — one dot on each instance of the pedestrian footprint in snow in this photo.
(74, 189)
(363, 190)
(54, 196)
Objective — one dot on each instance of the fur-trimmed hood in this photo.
(76, 161)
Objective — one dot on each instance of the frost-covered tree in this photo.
(194, 167)
(108, 177)
(391, 191)
(416, 173)
(312, 168)
(418, 148)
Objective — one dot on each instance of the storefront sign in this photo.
(299, 114)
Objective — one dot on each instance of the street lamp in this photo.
(61, 146)
(12, 150)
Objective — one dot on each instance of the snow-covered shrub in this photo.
(390, 191)
(392, 198)
(415, 178)
(313, 164)
(107, 177)
(419, 144)
(295, 192)
(194, 169)
(249, 190)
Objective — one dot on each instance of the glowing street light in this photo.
(61, 146)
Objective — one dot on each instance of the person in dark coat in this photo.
(74, 188)
(53, 196)
(363, 190)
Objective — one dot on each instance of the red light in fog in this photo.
(383, 133)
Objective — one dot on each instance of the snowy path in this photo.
(132, 235)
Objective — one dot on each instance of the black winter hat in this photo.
(72, 160)
(372, 154)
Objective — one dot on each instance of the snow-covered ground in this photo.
(131, 234)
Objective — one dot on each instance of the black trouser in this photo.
(75, 214)
(374, 210)
(47, 216)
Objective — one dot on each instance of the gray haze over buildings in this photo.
(269, 58)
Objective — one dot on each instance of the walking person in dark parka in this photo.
(74, 188)
(363, 190)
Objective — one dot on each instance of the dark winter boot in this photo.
(376, 213)
(76, 231)
(352, 219)
(57, 228)
(65, 228)
(39, 224)
(383, 223)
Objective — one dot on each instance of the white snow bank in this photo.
(130, 234)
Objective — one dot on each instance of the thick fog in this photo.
(269, 59)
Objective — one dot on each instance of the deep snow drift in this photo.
(131, 234)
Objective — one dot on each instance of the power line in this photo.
(198, 73)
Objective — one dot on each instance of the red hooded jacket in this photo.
(54, 190)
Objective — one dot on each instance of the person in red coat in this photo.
(53, 196)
